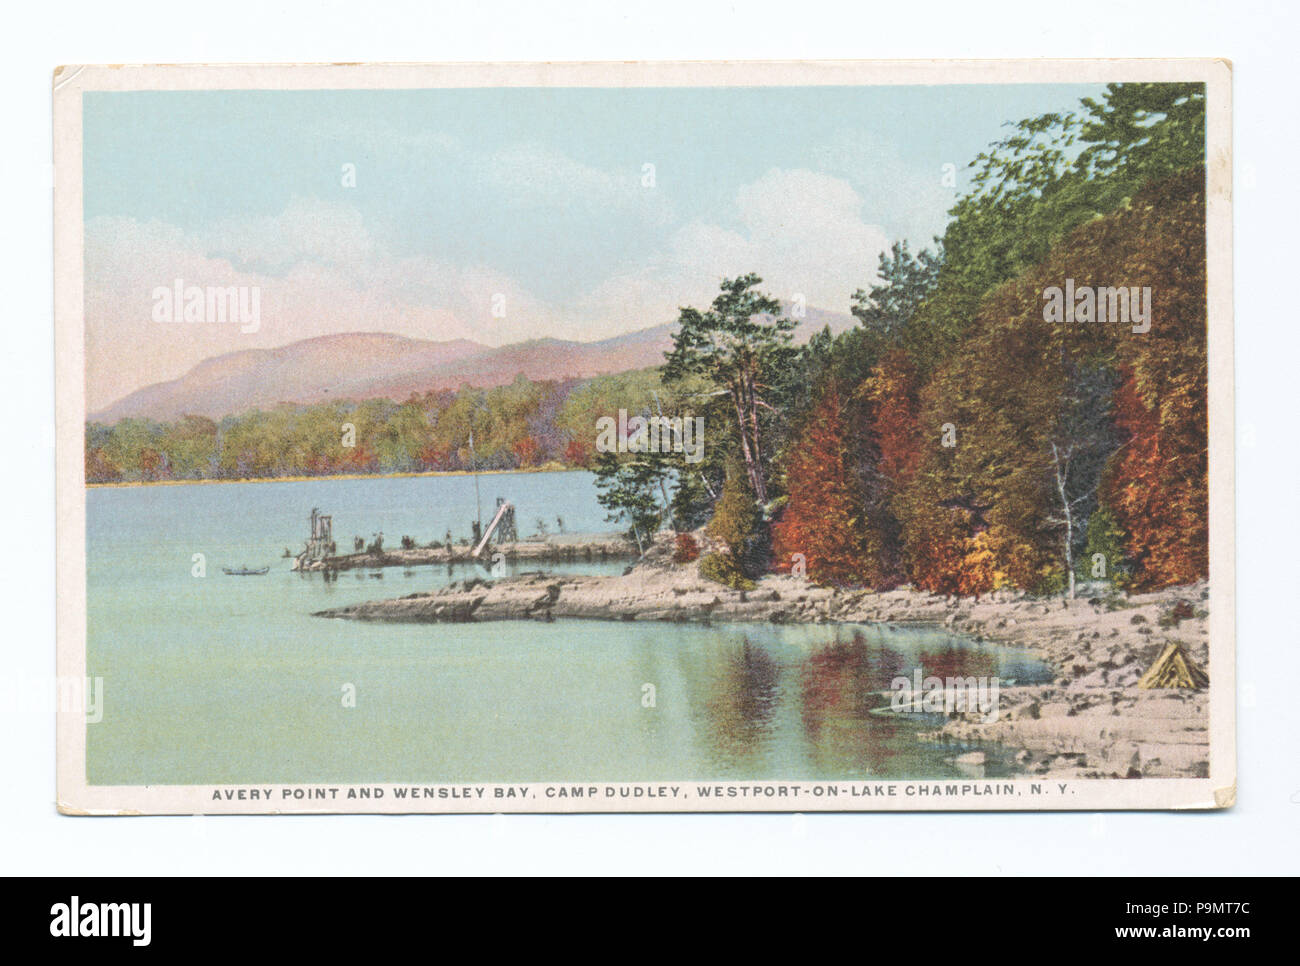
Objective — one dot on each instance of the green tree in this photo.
(1081, 443)
(905, 281)
(630, 489)
(736, 526)
(1051, 174)
(738, 346)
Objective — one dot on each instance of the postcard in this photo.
(822, 436)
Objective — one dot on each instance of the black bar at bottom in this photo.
(293, 917)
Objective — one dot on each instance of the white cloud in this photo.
(534, 176)
(801, 231)
(538, 176)
(321, 271)
(916, 195)
(319, 293)
(308, 229)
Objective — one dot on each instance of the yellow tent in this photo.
(1175, 669)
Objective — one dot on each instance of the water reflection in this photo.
(740, 704)
(807, 701)
(952, 662)
(233, 681)
(840, 686)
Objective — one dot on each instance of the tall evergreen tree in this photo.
(738, 346)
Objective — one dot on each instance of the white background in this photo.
(1259, 835)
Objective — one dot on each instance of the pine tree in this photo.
(735, 526)
(738, 346)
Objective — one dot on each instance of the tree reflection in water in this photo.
(840, 684)
(801, 701)
(742, 698)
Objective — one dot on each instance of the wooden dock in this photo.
(556, 550)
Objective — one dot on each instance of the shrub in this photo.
(722, 568)
(686, 550)
(1180, 612)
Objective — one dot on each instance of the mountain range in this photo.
(372, 365)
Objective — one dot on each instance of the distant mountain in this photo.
(371, 365)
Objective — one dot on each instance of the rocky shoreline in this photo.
(1092, 721)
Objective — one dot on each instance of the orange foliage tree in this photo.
(824, 517)
(1157, 486)
(526, 450)
(578, 453)
(892, 411)
(1039, 437)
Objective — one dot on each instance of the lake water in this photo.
(220, 679)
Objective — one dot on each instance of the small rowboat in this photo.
(244, 572)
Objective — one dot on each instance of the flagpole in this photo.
(478, 504)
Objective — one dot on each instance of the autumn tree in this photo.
(527, 451)
(1051, 174)
(824, 517)
(1158, 486)
(578, 452)
(1041, 439)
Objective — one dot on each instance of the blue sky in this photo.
(536, 194)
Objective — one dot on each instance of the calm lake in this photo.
(220, 679)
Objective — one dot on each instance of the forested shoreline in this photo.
(961, 438)
(524, 425)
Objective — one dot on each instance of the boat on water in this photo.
(245, 571)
